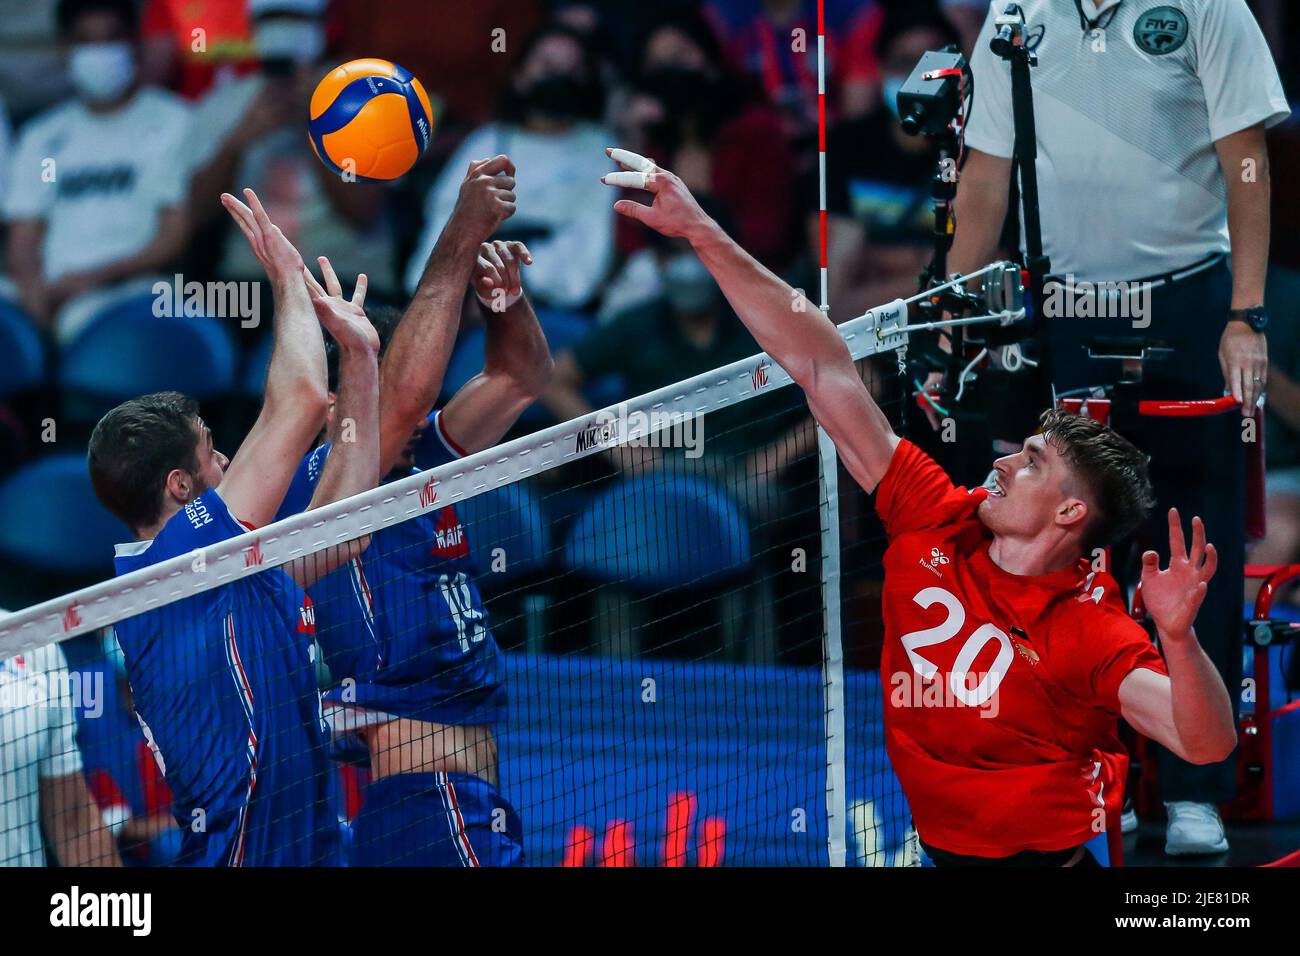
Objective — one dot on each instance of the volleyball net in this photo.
(647, 636)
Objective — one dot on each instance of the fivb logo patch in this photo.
(77, 909)
(218, 300)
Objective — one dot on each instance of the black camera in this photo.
(932, 96)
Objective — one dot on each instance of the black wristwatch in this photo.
(1256, 318)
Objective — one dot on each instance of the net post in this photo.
(832, 649)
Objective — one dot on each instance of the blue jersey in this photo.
(403, 626)
(225, 689)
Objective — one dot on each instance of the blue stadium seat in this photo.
(127, 351)
(508, 518)
(24, 354)
(51, 522)
(252, 380)
(562, 329)
(660, 530)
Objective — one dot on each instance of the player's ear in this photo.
(1073, 513)
(180, 485)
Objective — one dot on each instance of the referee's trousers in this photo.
(1197, 466)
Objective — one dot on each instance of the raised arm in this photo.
(353, 463)
(416, 358)
(1189, 712)
(293, 410)
(784, 323)
(517, 364)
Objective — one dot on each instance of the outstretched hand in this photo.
(673, 211)
(273, 250)
(1173, 596)
(497, 274)
(344, 319)
(487, 196)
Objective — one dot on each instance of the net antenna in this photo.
(828, 479)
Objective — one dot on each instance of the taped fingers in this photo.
(626, 179)
(630, 160)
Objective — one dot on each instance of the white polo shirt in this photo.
(1127, 120)
(38, 739)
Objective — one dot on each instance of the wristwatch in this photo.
(1256, 318)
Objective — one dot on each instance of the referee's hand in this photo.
(1243, 358)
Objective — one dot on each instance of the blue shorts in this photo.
(436, 819)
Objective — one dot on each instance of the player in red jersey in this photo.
(1007, 661)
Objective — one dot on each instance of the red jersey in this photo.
(1001, 690)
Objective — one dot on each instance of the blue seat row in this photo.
(651, 531)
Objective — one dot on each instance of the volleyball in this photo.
(370, 119)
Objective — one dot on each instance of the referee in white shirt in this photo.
(1152, 165)
(43, 794)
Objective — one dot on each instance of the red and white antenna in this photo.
(821, 146)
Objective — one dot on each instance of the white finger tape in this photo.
(630, 180)
(635, 161)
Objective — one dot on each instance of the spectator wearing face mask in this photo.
(97, 185)
(253, 132)
(880, 223)
(695, 116)
(551, 129)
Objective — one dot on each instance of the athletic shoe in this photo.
(1128, 818)
(1195, 829)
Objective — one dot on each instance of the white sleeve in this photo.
(440, 202)
(171, 164)
(213, 119)
(1242, 86)
(991, 128)
(27, 195)
(570, 266)
(61, 755)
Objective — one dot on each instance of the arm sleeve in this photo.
(917, 494)
(992, 127)
(304, 482)
(443, 447)
(1242, 86)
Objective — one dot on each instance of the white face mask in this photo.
(102, 72)
(301, 41)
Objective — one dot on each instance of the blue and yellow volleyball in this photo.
(370, 118)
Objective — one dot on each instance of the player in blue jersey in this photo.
(224, 681)
(416, 673)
